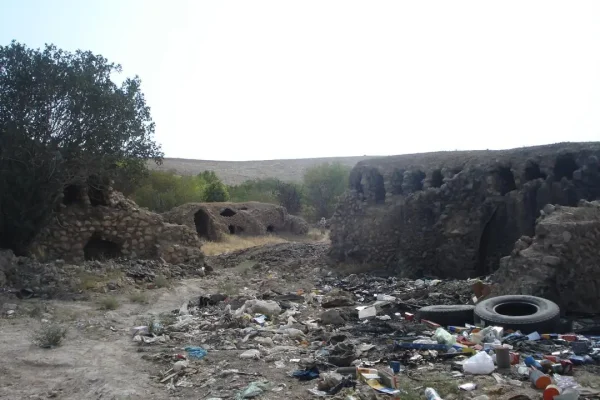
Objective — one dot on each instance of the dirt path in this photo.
(98, 359)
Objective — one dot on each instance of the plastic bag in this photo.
(480, 364)
(442, 336)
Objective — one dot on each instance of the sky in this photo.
(274, 79)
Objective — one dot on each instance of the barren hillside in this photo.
(236, 172)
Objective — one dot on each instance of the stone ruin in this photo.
(212, 221)
(561, 262)
(107, 225)
(456, 214)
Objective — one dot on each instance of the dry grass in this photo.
(109, 303)
(233, 243)
(161, 281)
(138, 297)
(49, 335)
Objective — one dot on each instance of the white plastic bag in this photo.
(480, 364)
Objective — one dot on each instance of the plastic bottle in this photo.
(539, 379)
(431, 394)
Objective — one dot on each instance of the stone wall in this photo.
(455, 214)
(214, 220)
(118, 228)
(561, 262)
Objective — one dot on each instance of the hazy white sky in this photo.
(241, 80)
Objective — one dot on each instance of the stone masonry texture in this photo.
(561, 262)
(214, 220)
(456, 214)
(119, 228)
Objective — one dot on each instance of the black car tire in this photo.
(445, 315)
(524, 313)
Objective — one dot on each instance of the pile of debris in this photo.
(354, 338)
(60, 280)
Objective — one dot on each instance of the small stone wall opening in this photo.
(416, 180)
(201, 220)
(565, 166)
(356, 181)
(227, 212)
(71, 195)
(270, 229)
(397, 180)
(235, 230)
(378, 187)
(98, 248)
(532, 171)
(507, 180)
(437, 179)
(96, 192)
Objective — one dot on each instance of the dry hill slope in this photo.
(236, 172)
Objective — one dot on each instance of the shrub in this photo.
(49, 335)
(109, 303)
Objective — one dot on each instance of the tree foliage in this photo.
(62, 121)
(316, 197)
(163, 190)
(323, 184)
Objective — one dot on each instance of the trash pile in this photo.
(363, 337)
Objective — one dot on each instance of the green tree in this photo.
(323, 184)
(215, 192)
(62, 121)
(209, 176)
(289, 195)
(263, 190)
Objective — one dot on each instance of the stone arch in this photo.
(356, 181)
(506, 180)
(96, 191)
(413, 181)
(98, 248)
(227, 212)
(377, 186)
(202, 223)
(564, 166)
(71, 195)
(437, 179)
(396, 181)
(533, 171)
(235, 230)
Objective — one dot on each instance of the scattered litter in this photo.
(251, 354)
(480, 364)
(253, 389)
(307, 374)
(196, 352)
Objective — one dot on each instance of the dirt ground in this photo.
(99, 359)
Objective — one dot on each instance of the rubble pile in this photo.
(282, 255)
(61, 280)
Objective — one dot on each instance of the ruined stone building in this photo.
(561, 262)
(105, 225)
(455, 214)
(214, 220)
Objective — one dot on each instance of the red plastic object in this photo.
(409, 316)
(571, 337)
(567, 367)
(515, 358)
(430, 323)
